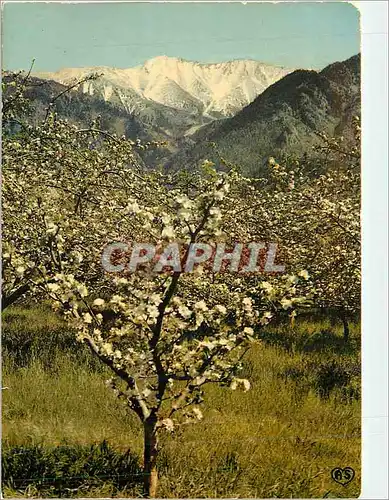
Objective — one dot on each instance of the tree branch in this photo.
(138, 404)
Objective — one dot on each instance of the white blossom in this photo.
(168, 424)
(221, 309)
(201, 306)
(82, 290)
(53, 287)
(168, 232)
(286, 303)
(98, 302)
(198, 413)
(185, 312)
(87, 318)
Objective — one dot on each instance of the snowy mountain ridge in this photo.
(198, 92)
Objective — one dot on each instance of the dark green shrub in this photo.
(329, 376)
(69, 470)
(341, 376)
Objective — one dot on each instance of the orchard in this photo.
(69, 193)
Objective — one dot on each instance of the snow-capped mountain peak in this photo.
(199, 92)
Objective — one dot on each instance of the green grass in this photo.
(281, 439)
(68, 470)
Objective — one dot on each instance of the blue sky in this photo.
(57, 35)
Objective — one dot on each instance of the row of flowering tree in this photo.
(322, 206)
(165, 330)
(311, 208)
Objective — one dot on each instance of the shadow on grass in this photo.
(324, 340)
(37, 333)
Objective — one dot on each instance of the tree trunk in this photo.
(8, 300)
(346, 329)
(150, 480)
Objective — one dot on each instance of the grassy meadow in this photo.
(65, 434)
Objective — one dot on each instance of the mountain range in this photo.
(248, 110)
(284, 119)
(174, 95)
